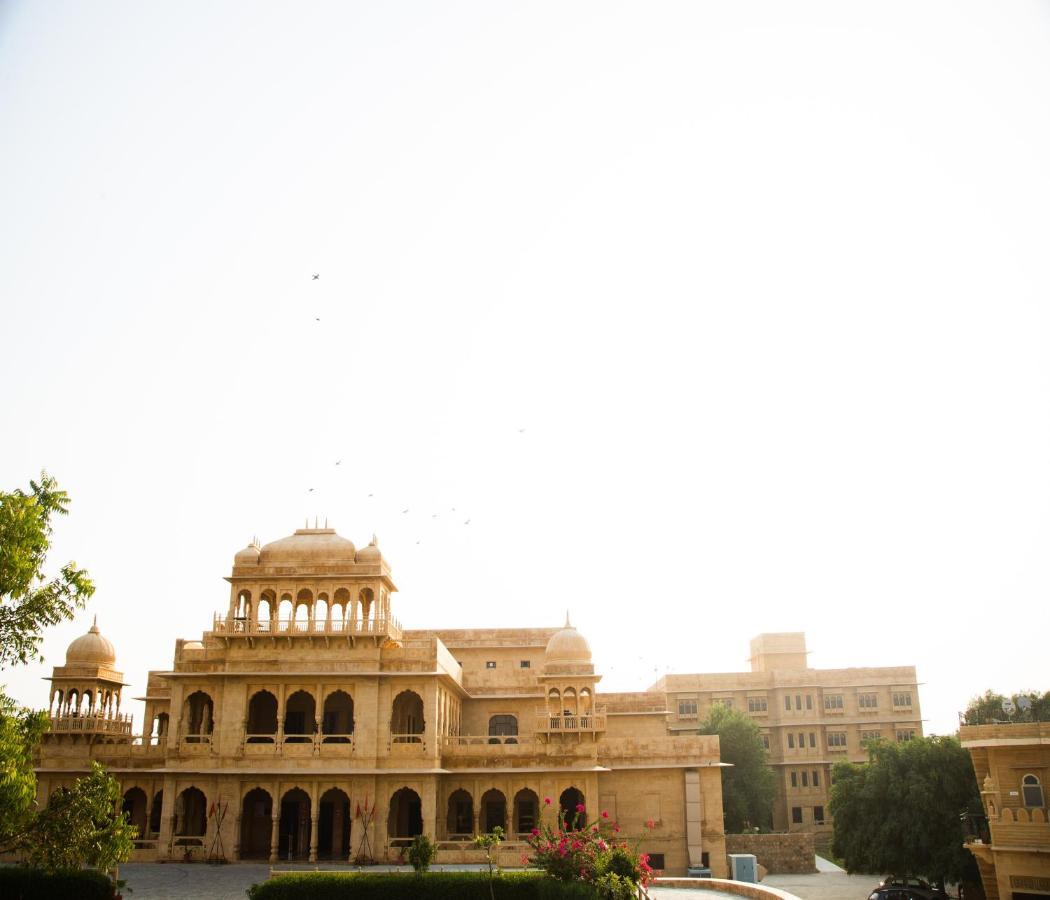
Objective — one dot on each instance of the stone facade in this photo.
(810, 718)
(778, 854)
(1012, 764)
(308, 724)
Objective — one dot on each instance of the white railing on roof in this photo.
(388, 627)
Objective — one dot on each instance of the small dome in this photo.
(308, 546)
(370, 554)
(249, 556)
(568, 646)
(91, 649)
(193, 645)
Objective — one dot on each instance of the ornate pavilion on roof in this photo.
(307, 724)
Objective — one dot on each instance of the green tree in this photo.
(901, 812)
(748, 787)
(29, 601)
(988, 708)
(20, 731)
(81, 827)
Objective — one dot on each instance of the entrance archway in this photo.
(293, 838)
(570, 801)
(256, 824)
(406, 815)
(333, 826)
(135, 806)
(460, 821)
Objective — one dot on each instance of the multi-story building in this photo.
(307, 724)
(1012, 765)
(810, 718)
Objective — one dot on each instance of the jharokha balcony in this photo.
(239, 626)
(564, 723)
(113, 724)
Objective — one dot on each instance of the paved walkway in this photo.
(197, 881)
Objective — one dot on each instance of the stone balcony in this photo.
(237, 627)
(562, 724)
(112, 725)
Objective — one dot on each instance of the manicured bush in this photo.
(22, 883)
(431, 886)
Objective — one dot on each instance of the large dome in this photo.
(568, 646)
(306, 547)
(91, 649)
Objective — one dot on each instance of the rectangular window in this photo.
(902, 699)
(527, 809)
(757, 704)
(816, 778)
(491, 664)
(801, 740)
(765, 741)
(868, 701)
(813, 740)
(727, 702)
(526, 664)
(805, 779)
(791, 740)
(870, 736)
(656, 861)
(837, 740)
(905, 734)
(794, 778)
(798, 701)
(818, 815)
(796, 815)
(686, 707)
(787, 703)
(809, 701)
(832, 701)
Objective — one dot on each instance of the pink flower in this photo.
(535, 832)
(579, 807)
(616, 828)
(547, 801)
(650, 824)
(605, 815)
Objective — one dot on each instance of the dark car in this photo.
(900, 892)
(909, 882)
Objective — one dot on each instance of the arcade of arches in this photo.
(307, 724)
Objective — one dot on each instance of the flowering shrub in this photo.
(595, 854)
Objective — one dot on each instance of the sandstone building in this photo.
(1012, 764)
(810, 718)
(307, 724)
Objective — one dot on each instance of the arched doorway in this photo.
(406, 816)
(256, 824)
(293, 840)
(191, 813)
(460, 821)
(337, 724)
(155, 812)
(198, 717)
(570, 803)
(493, 811)
(262, 718)
(333, 826)
(300, 718)
(406, 720)
(526, 811)
(134, 806)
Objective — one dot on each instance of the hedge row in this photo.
(20, 883)
(431, 886)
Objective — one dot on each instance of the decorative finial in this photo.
(326, 521)
(375, 542)
(94, 623)
(568, 624)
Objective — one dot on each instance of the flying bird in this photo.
(465, 523)
(310, 491)
(404, 511)
(338, 462)
(317, 275)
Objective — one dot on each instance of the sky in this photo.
(712, 319)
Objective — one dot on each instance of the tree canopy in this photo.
(29, 600)
(988, 708)
(901, 812)
(748, 787)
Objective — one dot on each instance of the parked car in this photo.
(911, 881)
(909, 888)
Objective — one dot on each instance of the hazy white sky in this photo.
(766, 285)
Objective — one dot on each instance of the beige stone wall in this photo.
(780, 854)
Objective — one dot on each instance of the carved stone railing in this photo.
(91, 724)
(573, 724)
(377, 627)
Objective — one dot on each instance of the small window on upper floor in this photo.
(687, 707)
(905, 734)
(809, 701)
(1032, 790)
(902, 698)
(833, 701)
(796, 815)
(757, 704)
(490, 664)
(805, 778)
(794, 778)
(787, 703)
(868, 701)
(765, 741)
(791, 740)
(526, 664)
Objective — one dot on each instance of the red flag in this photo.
(357, 815)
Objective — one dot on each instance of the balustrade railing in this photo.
(379, 626)
(317, 740)
(482, 740)
(592, 721)
(91, 724)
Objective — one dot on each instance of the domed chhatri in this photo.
(308, 546)
(370, 554)
(568, 646)
(249, 556)
(91, 649)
